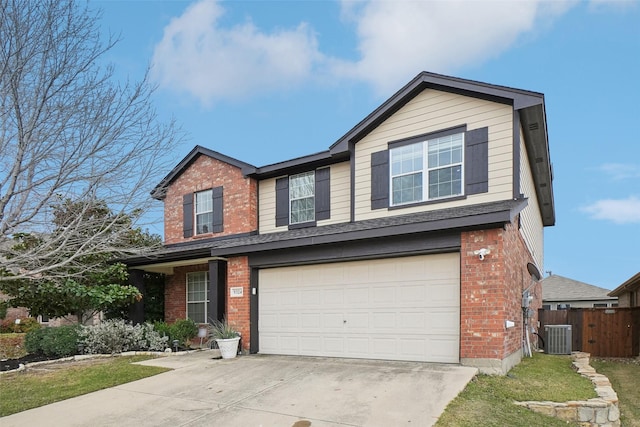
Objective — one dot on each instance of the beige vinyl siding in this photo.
(432, 111)
(267, 207)
(340, 178)
(530, 219)
(340, 199)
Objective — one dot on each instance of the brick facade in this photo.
(238, 308)
(491, 293)
(240, 198)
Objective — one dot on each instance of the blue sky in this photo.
(265, 81)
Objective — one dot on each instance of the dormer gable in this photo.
(207, 196)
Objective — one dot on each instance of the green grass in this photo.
(30, 389)
(488, 400)
(624, 375)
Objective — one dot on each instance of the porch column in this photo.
(136, 310)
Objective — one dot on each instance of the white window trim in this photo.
(425, 173)
(196, 213)
(205, 301)
(291, 199)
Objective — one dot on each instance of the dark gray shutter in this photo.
(187, 215)
(476, 161)
(323, 198)
(380, 179)
(218, 212)
(282, 201)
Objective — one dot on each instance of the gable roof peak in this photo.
(159, 192)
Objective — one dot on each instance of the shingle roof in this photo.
(559, 288)
(441, 219)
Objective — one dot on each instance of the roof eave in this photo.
(159, 192)
(632, 284)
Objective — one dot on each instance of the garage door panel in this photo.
(441, 349)
(444, 321)
(397, 309)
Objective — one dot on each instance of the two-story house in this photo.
(408, 239)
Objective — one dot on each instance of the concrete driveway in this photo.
(265, 391)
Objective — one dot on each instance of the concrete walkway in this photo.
(265, 391)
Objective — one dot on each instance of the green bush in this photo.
(33, 341)
(183, 330)
(60, 341)
(3, 309)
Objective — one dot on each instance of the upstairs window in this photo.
(437, 166)
(302, 197)
(442, 177)
(204, 211)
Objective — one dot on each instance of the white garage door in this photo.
(393, 309)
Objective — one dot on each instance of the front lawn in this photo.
(488, 400)
(44, 384)
(624, 375)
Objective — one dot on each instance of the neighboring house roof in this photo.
(633, 284)
(443, 219)
(559, 288)
(159, 191)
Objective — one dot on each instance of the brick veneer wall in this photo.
(240, 198)
(491, 292)
(175, 292)
(238, 308)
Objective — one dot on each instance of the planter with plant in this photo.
(226, 337)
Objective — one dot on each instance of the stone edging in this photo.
(22, 367)
(601, 411)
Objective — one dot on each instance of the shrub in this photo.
(116, 335)
(9, 325)
(183, 330)
(27, 325)
(4, 306)
(60, 341)
(33, 341)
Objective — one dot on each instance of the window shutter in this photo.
(323, 196)
(476, 159)
(218, 212)
(380, 179)
(187, 215)
(282, 201)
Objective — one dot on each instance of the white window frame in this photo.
(426, 169)
(205, 207)
(292, 178)
(205, 301)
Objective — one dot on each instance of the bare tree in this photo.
(69, 131)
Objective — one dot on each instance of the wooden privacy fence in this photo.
(603, 332)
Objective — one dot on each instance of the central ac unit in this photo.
(558, 339)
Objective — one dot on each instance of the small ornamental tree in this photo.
(74, 290)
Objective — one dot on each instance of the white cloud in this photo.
(620, 171)
(620, 211)
(201, 56)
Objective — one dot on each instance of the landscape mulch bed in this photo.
(11, 364)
